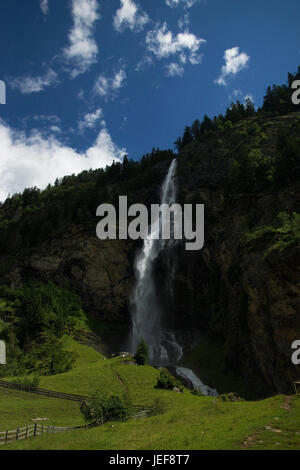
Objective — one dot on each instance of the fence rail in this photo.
(53, 394)
(34, 430)
(43, 391)
(137, 411)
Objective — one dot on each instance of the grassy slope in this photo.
(189, 422)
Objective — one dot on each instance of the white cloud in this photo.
(90, 119)
(234, 63)
(29, 84)
(174, 70)
(109, 87)
(144, 63)
(51, 118)
(27, 161)
(131, 16)
(44, 6)
(162, 43)
(239, 95)
(83, 50)
(184, 3)
(184, 21)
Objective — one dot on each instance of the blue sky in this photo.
(90, 80)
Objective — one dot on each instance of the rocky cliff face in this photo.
(231, 289)
(99, 271)
(249, 300)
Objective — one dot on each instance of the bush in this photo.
(30, 382)
(285, 235)
(48, 356)
(254, 129)
(197, 392)
(167, 381)
(100, 409)
(228, 125)
(158, 407)
(142, 354)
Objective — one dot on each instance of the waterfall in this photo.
(146, 311)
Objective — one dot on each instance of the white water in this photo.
(146, 312)
(190, 376)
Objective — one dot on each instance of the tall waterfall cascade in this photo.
(146, 311)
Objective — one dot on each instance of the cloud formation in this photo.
(28, 84)
(44, 6)
(174, 70)
(184, 3)
(234, 63)
(90, 119)
(163, 44)
(82, 50)
(239, 95)
(34, 160)
(108, 87)
(131, 16)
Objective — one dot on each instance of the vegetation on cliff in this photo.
(242, 289)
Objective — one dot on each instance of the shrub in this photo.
(254, 129)
(285, 235)
(142, 354)
(197, 392)
(158, 407)
(167, 381)
(100, 409)
(228, 125)
(30, 382)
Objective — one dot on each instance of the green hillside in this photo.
(188, 422)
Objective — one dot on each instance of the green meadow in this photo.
(188, 421)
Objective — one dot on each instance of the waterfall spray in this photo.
(146, 311)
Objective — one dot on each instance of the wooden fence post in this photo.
(34, 432)
(6, 436)
(17, 434)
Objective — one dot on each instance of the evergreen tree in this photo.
(196, 129)
(142, 354)
(187, 136)
(206, 125)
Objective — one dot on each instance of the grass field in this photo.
(189, 422)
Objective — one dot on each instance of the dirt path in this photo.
(120, 380)
(254, 438)
(287, 403)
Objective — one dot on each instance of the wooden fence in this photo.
(62, 395)
(136, 411)
(34, 430)
(43, 391)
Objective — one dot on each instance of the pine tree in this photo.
(142, 354)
